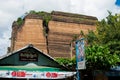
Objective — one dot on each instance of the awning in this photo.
(28, 68)
(36, 72)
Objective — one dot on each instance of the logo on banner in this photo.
(18, 74)
(51, 75)
(48, 74)
(81, 52)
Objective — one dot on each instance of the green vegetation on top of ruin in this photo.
(59, 16)
(18, 22)
(63, 14)
(45, 16)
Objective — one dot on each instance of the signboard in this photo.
(28, 56)
(80, 54)
(35, 75)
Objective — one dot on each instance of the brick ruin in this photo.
(61, 30)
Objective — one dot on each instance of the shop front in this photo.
(31, 63)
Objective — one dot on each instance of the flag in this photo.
(117, 3)
(80, 54)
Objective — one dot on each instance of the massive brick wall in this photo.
(61, 35)
(31, 32)
(62, 28)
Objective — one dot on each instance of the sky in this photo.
(10, 10)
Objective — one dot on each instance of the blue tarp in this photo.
(117, 68)
(115, 71)
(117, 3)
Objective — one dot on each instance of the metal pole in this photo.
(78, 75)
(71, 50)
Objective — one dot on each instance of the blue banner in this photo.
(80, 54)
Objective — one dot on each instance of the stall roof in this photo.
(50, 62)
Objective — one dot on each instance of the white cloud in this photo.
(10, 10)
(47, 5)
(4, 43)
(96, 8)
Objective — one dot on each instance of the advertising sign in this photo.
(80, 54)
(35, 74)
(28, 56)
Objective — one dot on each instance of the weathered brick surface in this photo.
(31, 33)
(60, 33)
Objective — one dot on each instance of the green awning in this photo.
(32, 68)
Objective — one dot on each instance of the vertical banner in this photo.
(80, 54)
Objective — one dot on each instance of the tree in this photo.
(108, 32)
(67, 62)
(91, 37)
(103, 50)
(99, 58)
(109, 29)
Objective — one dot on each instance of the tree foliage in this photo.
(108, 33)
(109, 29)
(103, 51)
(67, 62)
(99, 58)
(91, 37)
(19, 21)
